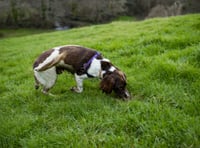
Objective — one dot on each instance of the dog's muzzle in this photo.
(125, 95)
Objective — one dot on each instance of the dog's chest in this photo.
(95, 68)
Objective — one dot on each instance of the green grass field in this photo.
(161, 58)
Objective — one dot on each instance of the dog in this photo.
(83, 63)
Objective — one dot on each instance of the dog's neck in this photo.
(106, 68)
(100, 67)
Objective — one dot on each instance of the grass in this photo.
(161, 58)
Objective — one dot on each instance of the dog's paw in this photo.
(48, 94)
(75, 89)
(37, 86)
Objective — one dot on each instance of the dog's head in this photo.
(115, 81)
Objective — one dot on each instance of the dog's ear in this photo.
(107, 84)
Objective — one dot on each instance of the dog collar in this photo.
(87, 65)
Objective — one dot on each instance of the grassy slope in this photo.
(161, 58)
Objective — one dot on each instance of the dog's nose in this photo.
(126, 95)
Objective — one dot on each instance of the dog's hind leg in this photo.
(45, 90)
(46, 78)
(37, 83)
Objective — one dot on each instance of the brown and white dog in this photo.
(83, 63)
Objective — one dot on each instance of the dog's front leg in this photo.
(79, 83)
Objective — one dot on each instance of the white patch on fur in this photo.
(102, 73)
(79, 82)
(47, 78)
(106, 60)
(95, 68)
(112, 69)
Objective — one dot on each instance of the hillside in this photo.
(161, 59)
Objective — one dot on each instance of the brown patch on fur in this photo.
(115, 81)
(42, 57)
(105, 65)
(122, 75)
(107, 83)
(76, 56)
